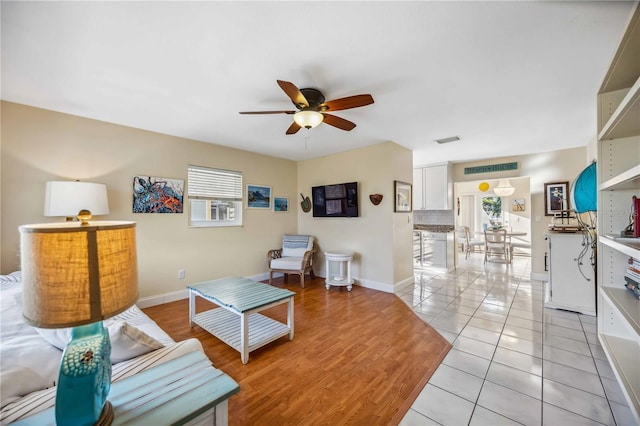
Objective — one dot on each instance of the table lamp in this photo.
(76, 275)
(67, 198)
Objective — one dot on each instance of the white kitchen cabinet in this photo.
(433, 188)
(571, 283)
(618, 180)
(435, 249)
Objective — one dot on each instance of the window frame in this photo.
(211, 186)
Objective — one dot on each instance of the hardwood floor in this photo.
(357, 357)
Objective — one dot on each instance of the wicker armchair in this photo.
(295, 257)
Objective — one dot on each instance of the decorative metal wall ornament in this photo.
(305, 204)
(484, 186)
(375, 199)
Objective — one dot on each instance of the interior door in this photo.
(467, 212)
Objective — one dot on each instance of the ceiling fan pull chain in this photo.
(306, 139)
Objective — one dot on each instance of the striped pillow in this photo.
(296, 245)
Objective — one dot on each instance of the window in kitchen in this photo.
(215, 197)
(492, 206)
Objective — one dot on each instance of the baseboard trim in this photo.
(375, 285)
(540, 276)
(403, 283)
(159, 299)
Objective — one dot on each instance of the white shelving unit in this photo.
(619, 180)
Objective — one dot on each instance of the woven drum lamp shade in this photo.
(77, 274)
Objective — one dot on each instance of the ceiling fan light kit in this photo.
(313, 108)
(308, 119)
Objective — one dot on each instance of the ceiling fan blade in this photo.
(267, 112)
(338, 122)
(293, 128)
(293, 93)
(346, 103)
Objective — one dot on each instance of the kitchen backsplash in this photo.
(433, 217)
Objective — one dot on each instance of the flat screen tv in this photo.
(339, 200)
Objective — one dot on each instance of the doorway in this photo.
(514, 211)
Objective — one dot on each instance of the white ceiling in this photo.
(509, 78)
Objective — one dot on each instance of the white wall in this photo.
(40, 145)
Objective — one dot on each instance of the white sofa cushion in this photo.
(126, 341)
(296, 245)
(28, 362)
(294, 263)
(41, 400)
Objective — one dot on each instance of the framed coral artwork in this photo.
(157, 195)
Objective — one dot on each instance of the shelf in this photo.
(625, 120)
(628, 246)
(618, 148)
(629, 179)
(623, 356)
(225, 325)
(625, 304)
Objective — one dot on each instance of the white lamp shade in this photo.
(308, 119)
(504, 188)
(67, 198)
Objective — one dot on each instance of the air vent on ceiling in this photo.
(447, 140)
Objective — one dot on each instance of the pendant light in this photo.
(504, 188)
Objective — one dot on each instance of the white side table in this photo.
(342, 257)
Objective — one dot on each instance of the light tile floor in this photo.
(513, 361)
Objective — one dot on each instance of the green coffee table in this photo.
(237, 322)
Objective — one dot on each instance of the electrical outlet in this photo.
(181, 274)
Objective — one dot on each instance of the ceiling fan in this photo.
(312, 108)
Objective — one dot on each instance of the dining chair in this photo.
(468, 244)
(472, 243)
(461, 238)
(496, 245)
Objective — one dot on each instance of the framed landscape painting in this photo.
(403, 196)
(258, 197)
(280, 204)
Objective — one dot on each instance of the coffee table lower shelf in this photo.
(226, 326)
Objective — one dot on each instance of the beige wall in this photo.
(554, 166)
(381, 238)
(40, 145)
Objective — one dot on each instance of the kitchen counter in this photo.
(434, 228)
(434, 246)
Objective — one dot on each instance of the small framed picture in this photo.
(403, 196)
(518, 205)
(258, 197)
(280, 204)
(556, 197)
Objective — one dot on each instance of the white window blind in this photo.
(205, 183)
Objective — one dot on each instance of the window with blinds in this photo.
(215, 196)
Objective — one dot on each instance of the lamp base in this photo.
(85, 378)
(106, 417)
